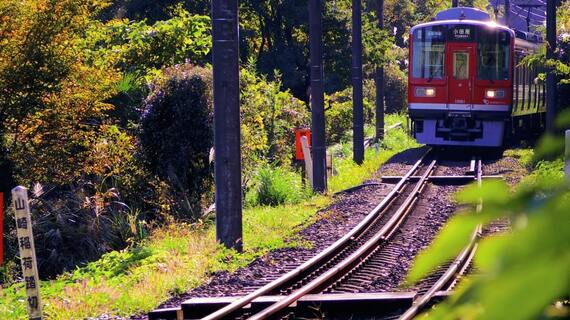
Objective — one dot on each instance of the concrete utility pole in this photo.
(357, 109)
(227, 164)
(379, 79)
(550, 77)
(317, 98)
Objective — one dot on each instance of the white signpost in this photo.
(27, 251)
(308, 158)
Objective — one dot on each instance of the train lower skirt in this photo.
(459, 132)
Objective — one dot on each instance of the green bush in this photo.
(395, 89)
(176, 135)
(275, 186)
(338, 113)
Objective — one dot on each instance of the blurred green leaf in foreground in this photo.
(522, 274)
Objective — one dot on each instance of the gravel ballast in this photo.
(434, 208)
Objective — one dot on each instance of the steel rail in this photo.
(323, 255)
(362, 253)
(455, 269)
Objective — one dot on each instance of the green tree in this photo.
(52, 103)
(275, 34)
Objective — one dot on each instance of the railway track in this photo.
(445, 279)
(347, 266)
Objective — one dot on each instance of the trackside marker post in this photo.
(308, 159)
(27, 251)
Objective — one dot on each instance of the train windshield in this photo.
(493, 55)
(428, 56)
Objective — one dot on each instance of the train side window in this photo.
(516, 84)
(523, 82)
(529, 91)
(461, 65)
(534, 88)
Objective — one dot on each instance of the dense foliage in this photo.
(269, 117)
(98, 98)
(139, 48)
(75, 118)
(180, 107)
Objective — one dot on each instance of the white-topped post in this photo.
(27, 251)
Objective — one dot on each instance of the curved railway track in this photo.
(447, 277)
(355, 259)
(346, 254)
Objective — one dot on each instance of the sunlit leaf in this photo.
(454, 237)
(549, 146)
(563, 119)
(493, 191)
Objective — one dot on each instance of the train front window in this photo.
(493, 55)
(428, 56)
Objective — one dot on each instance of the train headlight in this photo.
(425, 92)
(494, 94)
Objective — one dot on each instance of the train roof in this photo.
(488, 24)
(472, 16)
(463, 13)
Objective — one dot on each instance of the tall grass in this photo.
(275, 186)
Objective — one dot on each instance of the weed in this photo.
(275, 186)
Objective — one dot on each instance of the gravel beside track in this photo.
(347, 210)
(435, 207)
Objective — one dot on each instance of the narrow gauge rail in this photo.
(342, 261)
(444, 281)
(343, 255)
(365, 247)
(310, 276)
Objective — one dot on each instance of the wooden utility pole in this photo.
(227, 164)
(550, 76)
(357, 108)
(379, 80)
(317, 98)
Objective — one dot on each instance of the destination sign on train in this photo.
(461, 33)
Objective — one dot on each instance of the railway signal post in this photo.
(227, 164)
(357, 109)
(379, 79)
(550, 77)
(317, 98)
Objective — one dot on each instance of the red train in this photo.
(465, 84)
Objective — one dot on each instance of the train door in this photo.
(461, 65)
